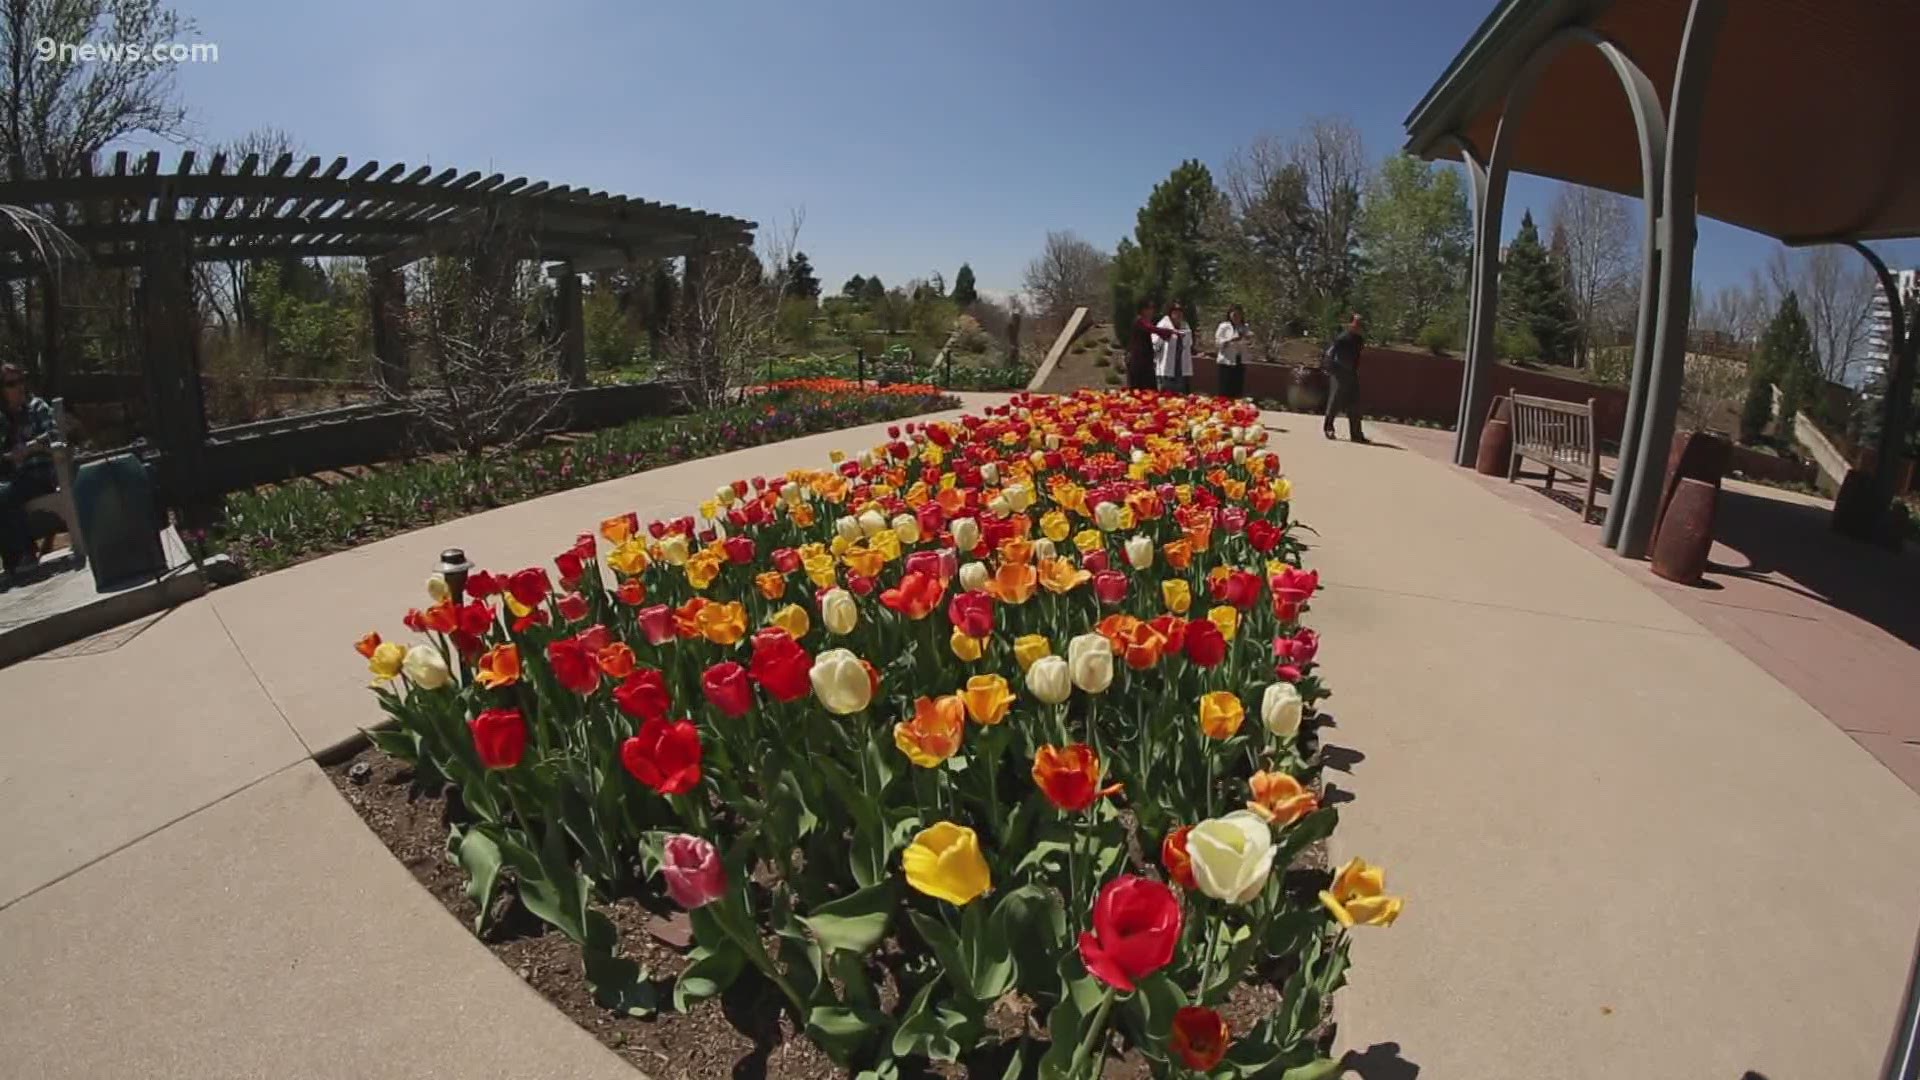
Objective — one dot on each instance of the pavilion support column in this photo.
(1464, 452)
(1678, 233)
(387, 305)
(1860, 510)
(176, 420)
(570, 315)
(1483, 304)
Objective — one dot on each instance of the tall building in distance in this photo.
(1879, 351)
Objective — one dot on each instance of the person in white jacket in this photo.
(1173, 354)
(1230, 342)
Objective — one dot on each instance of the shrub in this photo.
(1113, 378)
(815, 754)
(1439, 337)
(1516, 342)
(970, 336)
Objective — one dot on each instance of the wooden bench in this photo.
(1558, 435)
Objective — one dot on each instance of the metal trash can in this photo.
(118, 516)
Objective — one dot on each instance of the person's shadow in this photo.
(1381, 1061)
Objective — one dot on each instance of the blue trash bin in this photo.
(118, 516)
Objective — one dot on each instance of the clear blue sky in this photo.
(914, 135)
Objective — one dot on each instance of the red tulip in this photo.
(481, 584)
(499, 737)
(573, 607)
(441, 618)
(1110, 586)
(1264, 535)
(972, 614)
(1206, 645)
(631, 592)
(657, 623)
(1174, 629)
(727, 687)
(949, 564)
(740, 487)
(916, 596)
(664, 756)
(861, 584)
(529, 586)
(1233, 520)
(1199, 1037)
(1095, 562)
(1301, 648)
(1136, 924)
(643, 695)
(476, 618)
(740, 550)
(657, 530)
(924, 562)
(1241, 588)
(780, 665)
(1295, 586)
(571, 565)
(470, 645)
(574, 665)
(786, 560)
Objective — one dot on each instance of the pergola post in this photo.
(1464, 451)
(176, 412)
(1678, 233)
(570, 314)
(1860, 511)
(387, 304)
(1483, 303)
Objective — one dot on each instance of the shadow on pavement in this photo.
(1381, 1061)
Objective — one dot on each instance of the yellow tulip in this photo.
(674, 549)
(1089, 540)
(1221, 714)
(1031, 647)
(1177, 595)
(629, 557)
(968, 649)
(386, 660)
(886, 543)
(1359, 896)
(1061, 576)
(863, 560)
(1283, 489)
(793, 619)
(703, 568)
(944, 862)
(841, 544)
(723, 624)
(1227, 618)
(987, 699)
(820, 570)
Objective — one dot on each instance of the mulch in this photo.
(747, 1033)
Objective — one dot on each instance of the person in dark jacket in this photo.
(26, 467)
(1342, 363)
(1140, 347)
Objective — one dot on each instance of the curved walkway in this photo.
(1628, 850)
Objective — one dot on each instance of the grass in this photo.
(271, 528)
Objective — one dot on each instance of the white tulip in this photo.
(1239, 455)
(990, 472)
(1019, 496)
(1000, 505)
(426, 668)
(966, 534)
(848, 529)
(1281, 709)
(907, 528)
(1053, 442)
(838, 612)
(725, 495)
(1232, 856)
(1106, 516)
(1139, 552)
(1050, 680)
(841, 682)
(973, 576)
(872, 522)
(1043, 549)
(438, 590)
(1090, 660)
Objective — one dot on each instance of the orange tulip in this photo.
(863, 560)
(916, 595)
(987, 699)
(1179, 554)
(802, 514)
(366, 645)
(723, 624)
(631, 592)
(1017, 550)
(934, 733)
(1279, 798)
(499, 667)
(686, 617)
(771, 583)
(1014, 583)
(1118, 630)
(1143, 647)
(1070, 777)
(616, 660)
(1200, 536)
(618, 529)
(1061, 576)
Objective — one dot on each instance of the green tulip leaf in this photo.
(988, 954)
(1303, 834)
(841, 1031)
(856, 922)
(711, 971)
(1317, 1069)
(1032, 922)
(479, 856)
(1155, 999)
(397, 742)
(1039, 855)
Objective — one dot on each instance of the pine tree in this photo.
(1172, 231)
(964, 294)
(855, 288)
(1787, 357)
(1533, 293)
(801, 282)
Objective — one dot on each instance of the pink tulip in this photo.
(657, 621)
(1110, 586)
(694, 873)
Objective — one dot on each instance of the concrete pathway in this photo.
(1629, 851)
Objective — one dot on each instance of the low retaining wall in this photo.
(1421, 386)
(247, 455)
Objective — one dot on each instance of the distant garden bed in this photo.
(271, 528)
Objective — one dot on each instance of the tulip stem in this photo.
(1094, 1033)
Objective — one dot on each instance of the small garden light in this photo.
(454, 567)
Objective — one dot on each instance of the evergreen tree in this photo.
(1178, 259)
(801, 282)
(874, 292)
(855, 288)
(1533, 293)
(1787, 357)
(964, 294)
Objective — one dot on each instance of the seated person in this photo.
(26, 466)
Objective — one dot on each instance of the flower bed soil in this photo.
(748, 1031)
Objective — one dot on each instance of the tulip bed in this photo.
(1020, 708)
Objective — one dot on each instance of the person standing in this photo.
(1342, 364)
(1231, 339)
(1173, 367)
(1141, 346)
(26, 466)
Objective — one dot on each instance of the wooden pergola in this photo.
(161, 220)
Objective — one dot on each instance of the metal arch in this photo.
(1476, 165)
(1679, 221)
(1896, 406)
(1650, 126)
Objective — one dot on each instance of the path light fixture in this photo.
(454, 567)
